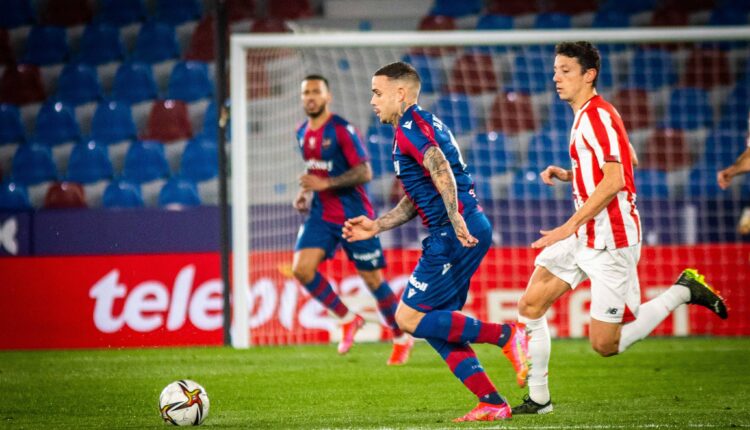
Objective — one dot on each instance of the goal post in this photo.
(504, 113)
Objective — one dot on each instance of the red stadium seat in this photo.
(21, 85)
(435, 23)
(290, 9)
(668, 17)
(512, 113)
(67, 13)
(512, 7)
(240, 10)
(633, 106)
(201, 47)
(65, 195)
(269, 25)
(571, 7)
(666, 149)
(707, 68)
(168, 121)
(689, 6)
(6, 52)
(473, 74)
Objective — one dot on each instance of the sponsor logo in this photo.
(372, 257)
(446, 268)
(411, 293)
(421, 286)
(611, 311)
(313, 164)
(8, 236)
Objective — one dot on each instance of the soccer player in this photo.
(602, 240)
(724, 177)
(428, 164)
(332, 190)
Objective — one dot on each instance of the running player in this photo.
(724, 177)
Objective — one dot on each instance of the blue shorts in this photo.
(443, 274)
(316, 233)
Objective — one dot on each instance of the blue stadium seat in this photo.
(46, 45)
(156, 42)
(689, 109)
(16, 13)
(121, 12)
(56, 123)
(526, 184)
(13, 196)
(652, 69)
(722, 148)
(532, 73)
(200, 159)
(702, 182)
(145, 161)
(490, 154)
(211, 119)
(560, 117)
(33, 164)
(430, 69)
(495, 22)
(176, 12)
(456, 9)
(652, 184)
(550, 20)
(89, 163)
(630, 6)
(546, 148)
(134, 83)
(78, 84)
(100, 44)
(190, 82)
(606, 79)
(730, 14)
(11, 128)
(380, 146)
(178, 193)
(122, 194)
(734, 112)
(608, 18)
(113, 122)
(456, 111)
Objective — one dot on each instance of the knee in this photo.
(405, 320)
(604, 347)
(303, 273)
(529, 309)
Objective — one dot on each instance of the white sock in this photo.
(651, 314)
(539, 350)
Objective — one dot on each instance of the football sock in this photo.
(463, 362)
(323, 292)
(539, 352)
(651, 314)
(456, 327)
(387, 303)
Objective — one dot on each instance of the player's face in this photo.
(385, 98)
(570, 79)
(315, 97)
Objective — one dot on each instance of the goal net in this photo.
(683, 95)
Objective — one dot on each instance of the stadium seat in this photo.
(456, 9)
(179, 193)
(707, 69)
(634, 108)
(490, 154)
(13, 196)
(380, 146)
(200, 160)
(121, 12)
(651, 69)
(437, 23)
(176, 12)
(89, 163)
(526, 184)
(46, 45)
(11, 128)
(289, 9)
(572, 7)
(100, 44)
(240, 10)
(78, 84)
(6, 52)
(16, 13)
(652, 184)
(722, 148)
(667, 150)
(168, 121)
(156, 42)
(122, 194)
(190, 82)
(730, 14)
(473, 73)
(201, 47)
(560, 116)
(702, 183)
(430, 71)
(21, 85)
(66, 14)
(608, 18)
(689, 109)
(670, 17)
(56, 123)
(552, 20)
(548, 148)
(269, 25)
(134, 83)
(532, 73)
(65, 195)
(33, 164)
(494, 22)
(145, 161)
(457, 112)
(630, 7)
(735, 110)
(689, 6)
(113, 122)
(511, 7)
(512, 113)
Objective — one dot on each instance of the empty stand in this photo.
(65, 195)
(89, 163)
(122, 194)
(689, 109)
(190, 82)
(100, 44)
(66, 13)
(457, 112)
(168, 121)
(512, 113)
(33, 164)
(121, 12)
(11, 128)
(113, 122)
(177, 12)
(179, 193)
(156, 42)
(289, 9)
(78, 84)
(473, 73)
(21, 85)
(134, 83)
(13, 196)
(634, 108)
(707, 68)
(46, 45)
(667, 150)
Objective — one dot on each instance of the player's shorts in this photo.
(316, 233)
(613, 274)
(443, 274)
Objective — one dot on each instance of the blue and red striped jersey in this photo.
(330, 151)
(417, 131)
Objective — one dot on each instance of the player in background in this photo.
(601, 241)
(428, 164)
(332, 190)
(724, 177)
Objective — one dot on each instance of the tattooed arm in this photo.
(362, 228)
(359, 174)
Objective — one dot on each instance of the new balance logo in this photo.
(611, 311)
(407, 124)
(446, 268)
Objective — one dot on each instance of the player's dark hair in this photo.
(315, 77)
(586, 54)
(399, 70)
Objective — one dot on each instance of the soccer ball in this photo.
(184, 403)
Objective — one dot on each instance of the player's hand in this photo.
(462, 233)
(552, 172)
(724, 178)
(313, 183)
(550, 237)
(359, 228)
(302, 202)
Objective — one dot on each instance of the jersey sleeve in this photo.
(597, 129)
(419, 137)
(351, 145)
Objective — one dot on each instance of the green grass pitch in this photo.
(659, 383)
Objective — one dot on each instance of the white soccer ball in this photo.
(184, 403)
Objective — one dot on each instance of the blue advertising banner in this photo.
(15, 233)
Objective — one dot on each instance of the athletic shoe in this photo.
(531, 407)
(487, 412)
(401, 351)
(348, 330)
(517, 351)
(702, 294)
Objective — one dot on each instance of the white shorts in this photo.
(613, 274)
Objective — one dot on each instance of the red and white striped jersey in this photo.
(598, 136)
